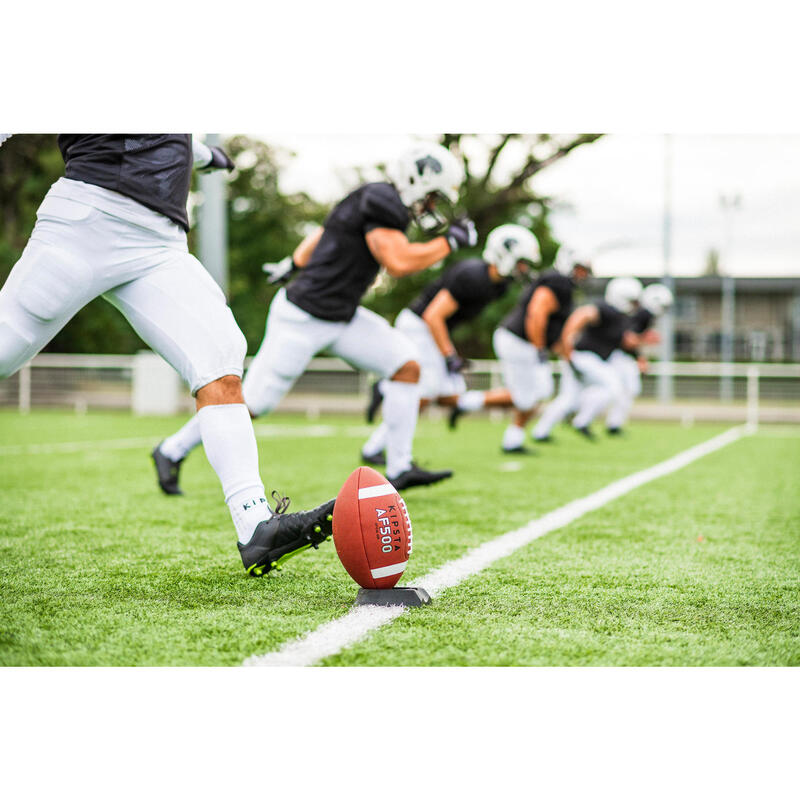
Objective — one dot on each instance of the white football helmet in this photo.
(623, 293)
(657, 299)
(507, 245)
(424, 175)
(567, 259)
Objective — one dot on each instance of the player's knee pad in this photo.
(15, 349)
(54, 283)
(524, 400)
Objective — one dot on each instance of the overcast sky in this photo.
(611, 196)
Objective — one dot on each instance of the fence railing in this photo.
(760, 391)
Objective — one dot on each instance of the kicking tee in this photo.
(155, 169)
(606, 335)
(562, 287)
(342, 267)
(472, 288)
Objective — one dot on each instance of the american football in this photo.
(371, 530)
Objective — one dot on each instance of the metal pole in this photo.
(752, 398)
(667, 325)
(727, 301)
(212, 222)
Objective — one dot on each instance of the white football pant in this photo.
(89, 241)
(588, 385)
(628, 371)
(527, 378)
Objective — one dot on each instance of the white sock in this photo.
(400, 411)
(472, 400)
(230, 446)
(513, 437)
(177, 446)
(377, 442)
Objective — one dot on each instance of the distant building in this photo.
(766, 318)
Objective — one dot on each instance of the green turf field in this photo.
(699, 567)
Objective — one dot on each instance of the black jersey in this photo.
(472, 288)
(562, 287)
(155, 169)
(606, 335)
(342, 267)
(641, 320)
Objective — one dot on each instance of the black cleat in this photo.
(452, 419)
(615, 432)
(543, 439)
(584, 431)
(379, 459)
(167, 472)
(521, 450)
(282, 536)
(374, 402)
(416, 476)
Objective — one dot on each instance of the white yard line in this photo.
(262, 432)
(333, 637)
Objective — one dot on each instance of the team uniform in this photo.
(627, 369)
(471, 286)
(115, 226)
(528, 378)
(589, 383)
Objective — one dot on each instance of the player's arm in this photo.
(439, 310)
(542, 304)
(399, 257)
(303, 252)
(210, 158)
(576, 322)
(282, 271)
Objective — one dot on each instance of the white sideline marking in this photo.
(376, 491)
(262, 432)
(334, 636)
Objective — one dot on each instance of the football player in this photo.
(656, 299)
(522, 343)
(115, 226)
(457, 296)
(330, 271)
(589, 384)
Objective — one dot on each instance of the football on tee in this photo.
(371, 530)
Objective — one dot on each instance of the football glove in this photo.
(280, 272)
(461, 233)
(456, 364)
(541, 355)
(219, 160)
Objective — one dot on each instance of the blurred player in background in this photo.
(589, 383)
(115, 227)
(522, 343)
(457, 296)
(656, 299)
(330, 271)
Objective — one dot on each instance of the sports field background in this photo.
(701, 567)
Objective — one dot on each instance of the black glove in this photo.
(456, 364)
(280, 272)
(462, 233)
(541, 355)
(219, 160)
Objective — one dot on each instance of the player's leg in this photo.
(291, 338)
(628, 372)
(518, 363)
(370, 343)
(181, 313)
(565, 402)
(59, 272)
(602, 387)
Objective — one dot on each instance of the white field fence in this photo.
(701, 391)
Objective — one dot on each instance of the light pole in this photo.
(728, 204)
(666, 323)
(212, 221)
